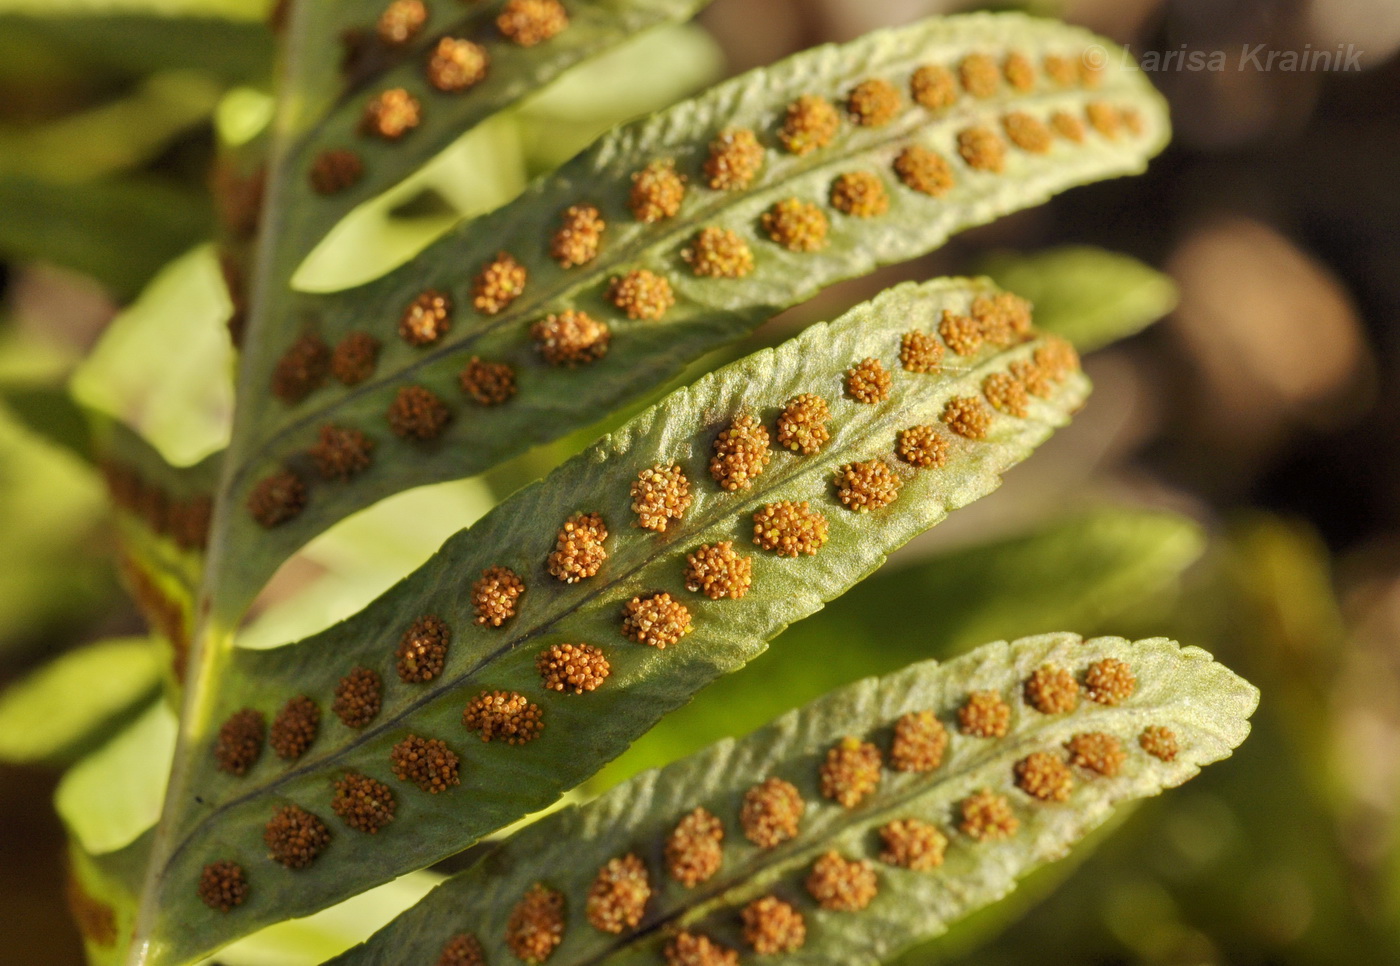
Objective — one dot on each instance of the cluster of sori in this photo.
(661, 495)
(659, 194)
(184, 520)
(771, 813)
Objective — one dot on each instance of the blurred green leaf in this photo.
(119, 232)
(50, 413)
(122, 38)
(112, 138)
(1204, 703)
(64, 703)
(108, 799)
(164, 366)
(1088, 295)
(217, 815)
(574, 110)
(1080, 571)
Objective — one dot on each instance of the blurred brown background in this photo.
(1274, 387)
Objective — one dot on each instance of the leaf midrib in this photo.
(719, 511)
(614, 258)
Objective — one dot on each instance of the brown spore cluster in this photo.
(1057, 357)
(335, 170)
(771, 812)
(716, 571)
(427, 318)
(873, 103)
(526, 23)
(692, 949)
(618, 896)
(500, 283)
(657, 620)
(1159, 742)
(1068, 126)
(277, 498)
(740, 453)
(924, 171)
(1019, 70)
(660, 494)
(798, 226)
(401, 21)
(422, 650)
(773, 926)
(982, 149)
(718, 253)
(240, 741)
(355, 358)
(536, 924)
(984, 715)
(222, 886)
(842, 885)
(1097, 751)
(923, 447)
(580, 236)
(302, 369)
(657, 192)
(504, 716)
(1007, 394)
(1027, 132)
(1044, 776)
(912, 844)
(495, 595)
(463, 949)
(641, 294)
(987, 816)
(341, 452)
(979, 75)
(1004, 317)
(1036, 380)
(1060, 70)
(734, 161)
(364, 804)
(294, 837)
(1051, 689)
(358, 697)
(487, 383)
(860, 194)
(851, 771)
(802, 424)
(967, 416)
(573, 667)
(963, 333)
(933, 86)
(695, 848)
(426, 762)
(417, 413)
(579, 548)
(810, 123)
(1103, 118)
(391, 114)
(919, 742)
(295, 727)
(457, 64)
(868, 381)
(867, 485)
(920, 352)
(1109, 681)
(790, 529)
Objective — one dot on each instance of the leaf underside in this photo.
(272, 436)
(1204, 704)
(223, 818)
